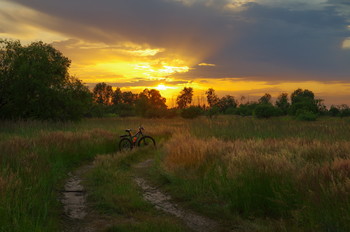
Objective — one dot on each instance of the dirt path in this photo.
(163, 202)
(78, 216)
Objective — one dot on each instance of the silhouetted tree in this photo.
(266, 99)
(129, 98)
(344, 110)
(191, 112)
(282, 103)
(103, 93)
(300, 95)
(150, 103)
(226, 102)
(117, 97)
(185, 97)
(35, 83)
(212, 98)
(334, 111)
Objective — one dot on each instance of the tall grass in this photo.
(113, 191)
(296, 173)
(31, 170)
(35, 158)
(301, 180)
(236, 127)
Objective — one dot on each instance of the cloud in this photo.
(140, 83)
(261, 39)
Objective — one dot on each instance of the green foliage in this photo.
(35, 84)
(33, 169)
(305, 115)
(303, 101)
(334, 111)
(213, 112)
(266, 99)
(339, 111)
(247, 109)
(191, 112)
(226, 102)
(151, 104)
(282, 103)
(231, 111)
(266, 111)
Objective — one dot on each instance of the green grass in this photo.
(236, 127)
(113, 191)
(35, 158)
(31, 170)
(279, 174)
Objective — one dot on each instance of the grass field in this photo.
(264, 175)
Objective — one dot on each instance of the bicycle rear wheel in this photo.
(147, 141)
(125, 144)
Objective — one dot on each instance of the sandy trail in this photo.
(163, 202)
(78, 216)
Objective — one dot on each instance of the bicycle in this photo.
(129, 141)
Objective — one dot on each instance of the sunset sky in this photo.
(238, 47)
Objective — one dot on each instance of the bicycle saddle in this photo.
(128, 130)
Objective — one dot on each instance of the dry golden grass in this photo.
(308, 179)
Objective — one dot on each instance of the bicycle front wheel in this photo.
(125, 144)
(147, 141)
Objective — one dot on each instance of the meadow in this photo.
(249, 174)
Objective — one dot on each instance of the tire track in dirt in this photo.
(78, 216)
(163, 202)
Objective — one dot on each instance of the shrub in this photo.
(304, 115)
(266, 111)
(213, 112)
(191, 112)
(231, 110)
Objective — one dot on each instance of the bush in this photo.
(191, 112)
(266, 111)
(247, 109)
(304, 115)
(231, 110)
(213, 112)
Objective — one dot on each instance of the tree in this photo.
(129, 98)
(103, 93)
(334, 111)
(226, 102)
(117, 97)
(191, 112)
(265, 111)
(266, 99)
(185, 97)
(212, 98)
(150, 103)
(303, 101)
(282, 103)
(35, 83)
(300, 95)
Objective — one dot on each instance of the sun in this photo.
(162, 87)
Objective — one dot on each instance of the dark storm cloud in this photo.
(284, 43)
(157, 22)
(263, 41)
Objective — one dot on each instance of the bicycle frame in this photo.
(133, 138)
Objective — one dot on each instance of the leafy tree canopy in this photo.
(35, 84)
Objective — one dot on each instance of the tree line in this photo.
(35, 84)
